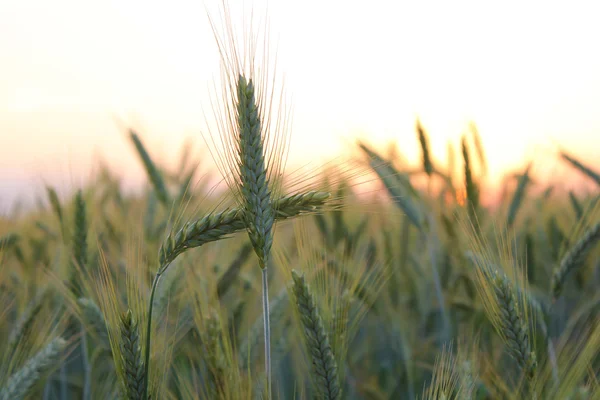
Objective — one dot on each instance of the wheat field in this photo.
(364, 279)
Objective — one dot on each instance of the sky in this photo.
(525, 72)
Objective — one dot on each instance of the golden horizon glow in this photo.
(524, 72)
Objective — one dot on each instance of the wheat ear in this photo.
(57, 208)
(259, 215)
(133, 367)
(518, 196)
(513, 328)
(325, 367)
(80, 245)
(586, 170)
(424, 141)
(397, 185)
(574, 258)
(218, 225)
(470, 185)
(23, 380)
(153, 173)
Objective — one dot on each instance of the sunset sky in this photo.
(527, 73)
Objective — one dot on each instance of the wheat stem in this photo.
(149, 333)
(267, 329)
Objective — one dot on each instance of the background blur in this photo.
(525, 72)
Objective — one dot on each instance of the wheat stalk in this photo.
(258, 215)
(277, 307)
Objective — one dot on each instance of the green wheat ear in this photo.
(574, 258)
(133, 366)
(584, 169)
(23, 380)
(424, 141)
(325, 366)
(513, 325)
(258, 210)
(153, 173)
(470, 184)
(79, 242)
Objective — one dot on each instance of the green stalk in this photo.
(149, 332)
(267, 329)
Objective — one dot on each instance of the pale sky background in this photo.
(525, 72)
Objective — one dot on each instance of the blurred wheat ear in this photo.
(502, 286)
(470, 184)
(584, 169)
(323, 360)
(24, 379)
(153, 173)
(574, 258)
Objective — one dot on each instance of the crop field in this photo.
(363, 279)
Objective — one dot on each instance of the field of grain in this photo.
(364, 279)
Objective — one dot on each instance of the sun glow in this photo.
(524, 73)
